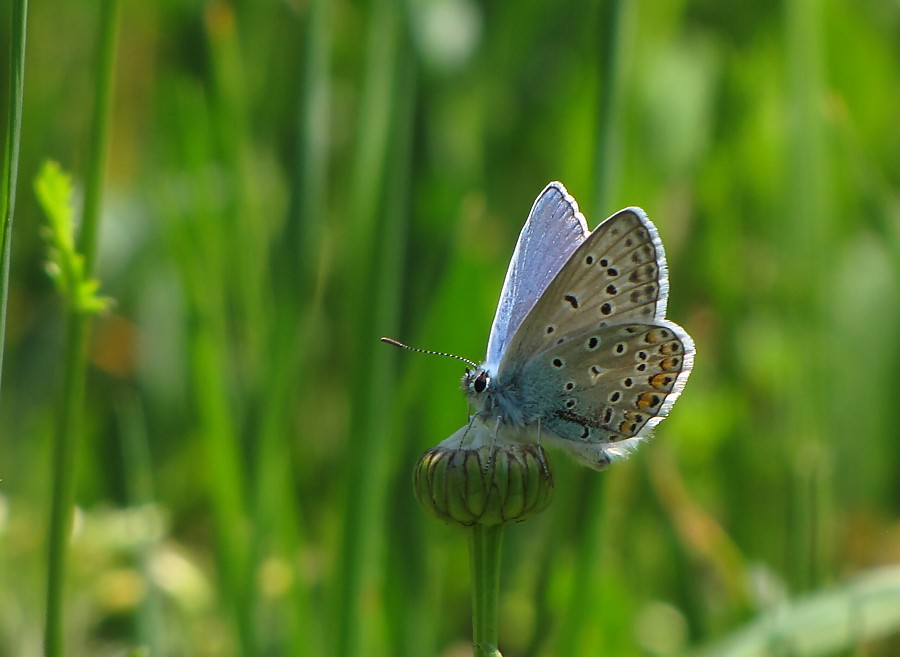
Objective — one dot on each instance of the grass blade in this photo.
(11, 157)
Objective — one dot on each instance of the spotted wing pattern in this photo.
(617, 275)
(595, 362)
(601, 392)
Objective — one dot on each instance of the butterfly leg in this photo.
(496, 431)
(462, 438)
(489, 465)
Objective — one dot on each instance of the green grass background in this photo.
(289, 181)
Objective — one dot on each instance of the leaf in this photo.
(65, 267)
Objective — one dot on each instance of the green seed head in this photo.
(483, 482)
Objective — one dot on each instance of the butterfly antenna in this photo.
(428, 351)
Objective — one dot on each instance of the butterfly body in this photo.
(503, 398)
(580, 353)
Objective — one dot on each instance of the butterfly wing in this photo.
(599, 393)
(553, 231)
(595, 357)
(617, 275)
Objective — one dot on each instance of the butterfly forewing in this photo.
(617, 275)
(553, 231)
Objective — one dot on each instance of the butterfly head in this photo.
(475, 383)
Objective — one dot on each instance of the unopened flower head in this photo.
(475, 478)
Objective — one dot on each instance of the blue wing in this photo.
(552, 232)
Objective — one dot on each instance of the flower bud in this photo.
(483, 481)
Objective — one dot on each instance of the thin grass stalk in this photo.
(404, 636)
(11, 157)
(616, 36)
(807, 258)
(68, 430)
(208, 348)
(197, 236)
(150, 627)
(245, 243)
(94, 181)
(276, 517)
(545, 612)
(247, 236)
(227, 485)
(374, 121)
(374, 250)
(616, 39)
(277, 512)
(309, 202)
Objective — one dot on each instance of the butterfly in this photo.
(580, 354)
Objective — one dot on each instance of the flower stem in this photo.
(484, 556)
(68, 429)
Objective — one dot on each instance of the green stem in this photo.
(810, 204)
(67, 435)
(615, 42)
(374, 242)
(70, 414)
(11, 160)
(484, 558)
(93, 186)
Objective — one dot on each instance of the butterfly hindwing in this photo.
(617, 275)
(603, 390)
(553, 231)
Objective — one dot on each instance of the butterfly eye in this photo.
(481, 382)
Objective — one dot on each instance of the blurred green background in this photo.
(289, 181)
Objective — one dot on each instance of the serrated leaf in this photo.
(53, 188)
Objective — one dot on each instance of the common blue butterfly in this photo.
(580, 353)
